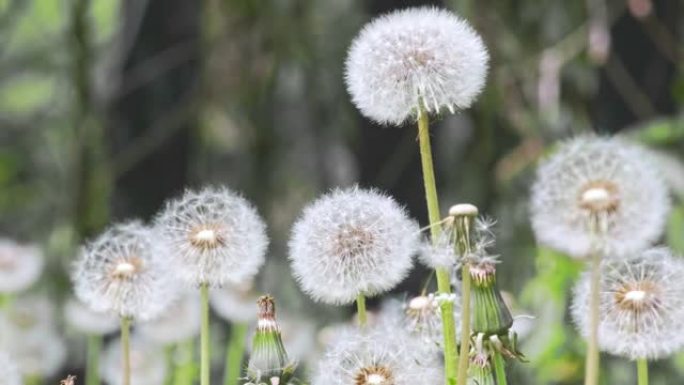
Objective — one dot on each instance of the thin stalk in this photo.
(185, 365)
(126, 349)
(235, 353)
(205, 357)
(642, 371)
(92, 376)
(361, 309)
(443, 280)
(462, 228)
(499, 369)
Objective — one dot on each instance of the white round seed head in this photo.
(180, 322)
(415, 57)
(148, 365)
(215, 236)
(592, 179)
(641, 305)
(235, 303)
(8, 370)
(84, 320)
(124, 272)
(463, 209)
(374, 357)
(352, 242)
(20, 266)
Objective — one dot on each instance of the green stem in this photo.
(499, 369)
(642, 371)
(204, 343)
(235, 353)
(92, 376)
(443, 281)
(185, 363)
(592, 359)
(126, 349)
(361, 309)
(462, 229)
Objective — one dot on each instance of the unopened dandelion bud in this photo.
(491, 315)
(480, 369)
(269, 359)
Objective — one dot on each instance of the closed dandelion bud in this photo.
(215, 237)
(641, 305)
(9, 373)
(415, 58)
(20, 266)
(491, 315)
(480, 370)
(598, 195)
(269, 362)
(352, 242)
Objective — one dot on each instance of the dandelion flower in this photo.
(413, 58)
(84, 320)
(234, 303)
(641, 305)
(215, 235)
(352, 242)
(148, 365)
(8, 370)
(374, 357)
(180, 322)
(607, 178)
(123, 272)
(20, 266)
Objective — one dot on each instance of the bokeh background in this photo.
(109, 107)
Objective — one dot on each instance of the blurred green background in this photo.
(109, 107)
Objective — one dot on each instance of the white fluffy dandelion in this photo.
(20, 266)
(8, 370)
(123, 272)
(375, 357)
(425, 57)
(180, 322)
(352, 242)
(216, 237)
(148, 365)
(641, 305)
(84, 320)
(607, 178)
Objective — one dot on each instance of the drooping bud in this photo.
(269, 362)
(491, 314)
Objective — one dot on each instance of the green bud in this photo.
(491, 315)
(268, 362)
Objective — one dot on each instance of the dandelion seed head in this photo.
(374, 357)
(148, 365)
(641, 306)
(234, 302)
(180, 322)
(592, 177)
(84, 320)
(352, 242)
(215, 235)
(20, 266)
(124, 272)
(415, 56)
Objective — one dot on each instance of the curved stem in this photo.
(234, 353)
(592, 360)
(361, 309)
(205, 357)
(499, 369)
(642, 371)
(443, 281)
(126, 349)
(92, 376)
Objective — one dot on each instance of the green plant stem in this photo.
(126, 349)
(465, 325)
(185, 363)
(443, 281)
(235, 353)
(642, 371)
(205, 358)
(92, 376)
(361, 309)
(499, 369)
(592, 360)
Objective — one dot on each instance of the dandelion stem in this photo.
(185, 363)
(235, 353)
(93, 364)
(361, 309)
(592, 359)
(126, 349)
(462, 229)
(499, 369)
(204, 336)
(443, 284)
(642, 371)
